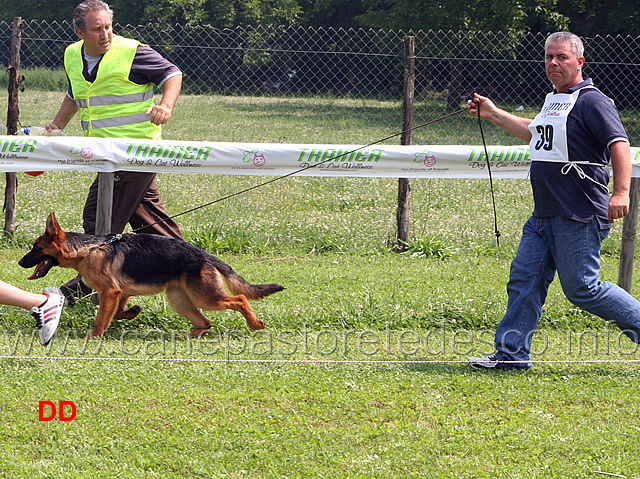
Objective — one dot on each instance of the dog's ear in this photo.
(53, 227)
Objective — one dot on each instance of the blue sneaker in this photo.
(495, 361)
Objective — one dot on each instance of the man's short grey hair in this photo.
(83, 9)
(577, 47)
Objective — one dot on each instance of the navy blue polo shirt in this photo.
(593, 124)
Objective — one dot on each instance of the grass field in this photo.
(360, 372)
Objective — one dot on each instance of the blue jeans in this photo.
(571, 248)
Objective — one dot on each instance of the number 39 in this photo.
(546, 137)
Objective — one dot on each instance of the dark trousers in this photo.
(136, 201)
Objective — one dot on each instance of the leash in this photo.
(295, 172)
(486, 155)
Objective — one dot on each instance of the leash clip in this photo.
(113, 238)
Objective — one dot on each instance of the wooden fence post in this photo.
(13, 112)
(629, 228)
(404, 189)
(104, 207)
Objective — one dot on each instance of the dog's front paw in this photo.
(257, 324)
(130, 313)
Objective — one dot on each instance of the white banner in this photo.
(42, 153)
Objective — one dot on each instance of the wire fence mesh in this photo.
(349, 63)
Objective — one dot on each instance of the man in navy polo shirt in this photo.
(575, 136)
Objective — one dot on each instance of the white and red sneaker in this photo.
(48, 314)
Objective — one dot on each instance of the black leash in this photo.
(295, 172)
(278, 178)
(486, 154)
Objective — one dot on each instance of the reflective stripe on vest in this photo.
(116, 121)
(112, 106)
(116, 99)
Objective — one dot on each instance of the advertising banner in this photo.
(42, 153)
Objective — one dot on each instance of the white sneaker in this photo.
(48, 315)
(495, 361)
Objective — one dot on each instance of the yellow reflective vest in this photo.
(111, 106)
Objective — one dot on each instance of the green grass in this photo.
(348, 297)
(177, 420)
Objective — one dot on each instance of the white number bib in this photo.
(549, 134)
(549, 128)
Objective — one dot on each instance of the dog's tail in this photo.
(238, 285)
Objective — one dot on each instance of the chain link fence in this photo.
(350, 63)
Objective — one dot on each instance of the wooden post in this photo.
(629, 228)
(404, 189)
(104, 207)
(13, 112)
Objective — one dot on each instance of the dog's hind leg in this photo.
(182, 304)
(235, 303)
(207, 292)
(215, 298)
(240, 303)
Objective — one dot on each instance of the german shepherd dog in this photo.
(121, 266)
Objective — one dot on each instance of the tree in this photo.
(455, 15)
(587, 17)
(584, 17)
(174, 12)
(331, 13)
(624, 19)
(37, 9)
(223, 13)
(126, 11)
(542, 16)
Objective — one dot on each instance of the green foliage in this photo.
(543, 16)
(429, 247)
(458, 15)
(515, 16)
(215, 240)
(50, 10)
(332, 13)
(40, 78)
(223, 13)
(588, 18)
(623, 19)
(179, 12)
(322, 242)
